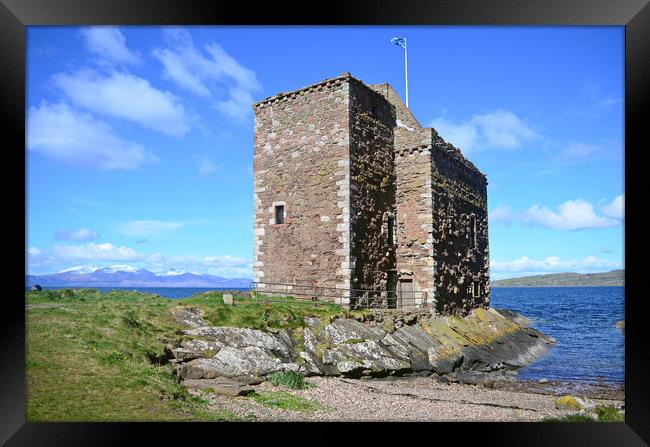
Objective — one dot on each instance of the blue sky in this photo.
(140, 139)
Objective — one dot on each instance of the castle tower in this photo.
(351, 193)
(324, 184)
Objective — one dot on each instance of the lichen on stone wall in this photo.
(372, 171)
(460, 237)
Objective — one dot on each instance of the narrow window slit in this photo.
(279, 214)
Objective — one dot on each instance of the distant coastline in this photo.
(611, 278)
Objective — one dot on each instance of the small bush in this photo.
(289, 379)
(577, 417)
(609, 414)
(284, 401)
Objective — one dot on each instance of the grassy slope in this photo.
(97, 357)
(612, 278)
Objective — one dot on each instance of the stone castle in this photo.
(353, 198)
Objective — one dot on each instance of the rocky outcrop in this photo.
(483, 342)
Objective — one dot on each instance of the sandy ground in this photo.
(400, 399)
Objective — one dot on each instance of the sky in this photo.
(139, 140)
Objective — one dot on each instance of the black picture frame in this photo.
(15, 15)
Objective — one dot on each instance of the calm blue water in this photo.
(167, 292)
(581, 319)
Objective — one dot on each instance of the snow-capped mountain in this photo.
(127, 276)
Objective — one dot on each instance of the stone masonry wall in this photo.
(415, 208)
(372, 186)
(343, 159)
(301, 161)
(459, 199)
(403, 116)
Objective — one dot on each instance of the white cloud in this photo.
(579, 152)
(499, 129)
(582, 152)
(59, 258)
(616, 209)
(148, 227)
(67, 135)
(224, 261)
(571, 215)
(125, 96)
(551, 264)
(502, 214)
(109, 43)
(97, 252)
(193, 70)
(79, 234)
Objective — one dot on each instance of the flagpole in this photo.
(406, 72)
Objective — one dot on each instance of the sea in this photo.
(589, 349)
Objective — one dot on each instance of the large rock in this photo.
(482, 342)
(313, 364)
(516, 317)
(184, 355)
(188, 316)
(234, 362)
(202, 348)
(487, 341)
(235, 337)
(368, 356)
(344, 330)
(219, 385)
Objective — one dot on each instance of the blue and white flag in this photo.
(401, 41)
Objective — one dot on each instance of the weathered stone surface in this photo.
(220, 385)
(368, 355)
(482, 342)
(202, 348)
(231, 362)
(343, 330)
(184, 354)
(227, 299)
(312, 322)
(312, 366)
(516, 317)
(243, 337)
(188, 316)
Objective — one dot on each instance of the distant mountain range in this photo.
(612, 278)
(127, 276)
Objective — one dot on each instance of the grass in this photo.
(98, 358)
(255, 315)
(284, 400)
(609, 414)
(603, 414)
(577, 417)
(95, 356)
(289, 379)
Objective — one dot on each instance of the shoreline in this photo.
(400, 399)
